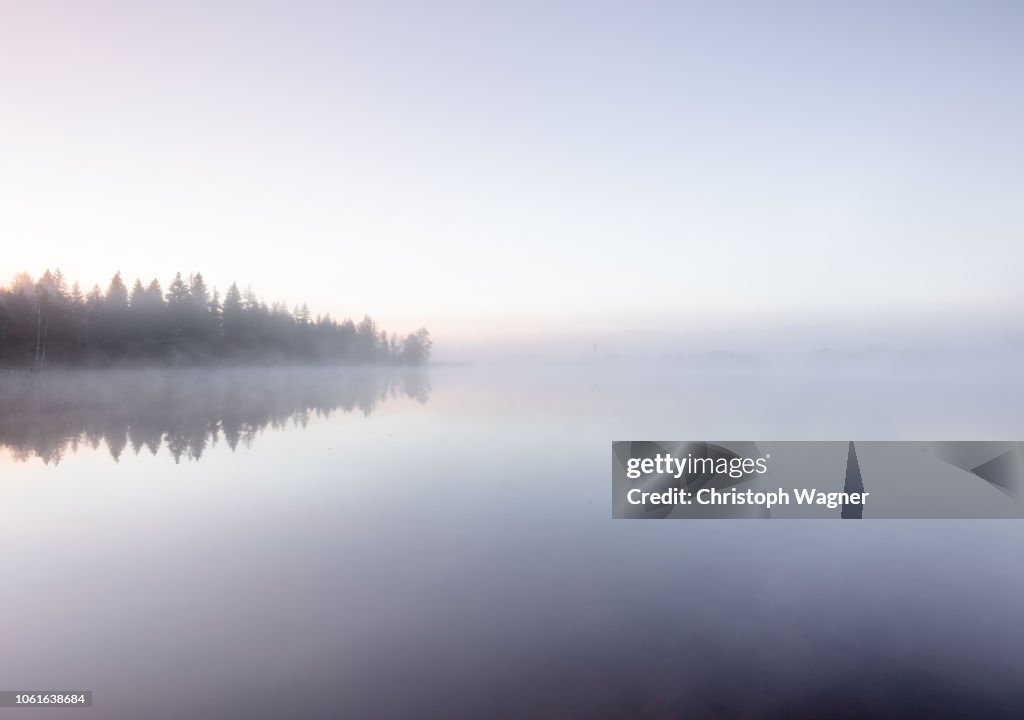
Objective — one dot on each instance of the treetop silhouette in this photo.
(46, 323)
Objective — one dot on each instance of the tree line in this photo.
(46, 322)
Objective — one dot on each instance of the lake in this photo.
(272, 543)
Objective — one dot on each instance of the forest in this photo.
(47, 323)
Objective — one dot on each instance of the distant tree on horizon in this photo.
(43, 323)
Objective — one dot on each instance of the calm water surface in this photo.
(283, 543)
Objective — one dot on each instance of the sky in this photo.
(528, 168)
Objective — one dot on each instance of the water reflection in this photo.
(460, 560)
(48, 415)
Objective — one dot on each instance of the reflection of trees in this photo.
(47, 414)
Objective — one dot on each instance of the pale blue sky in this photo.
(546, 165)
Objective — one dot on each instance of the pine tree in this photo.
(155, 293)
(231, 317)
(198, 293)
(137, 300)
(117, 294)
(177, 291)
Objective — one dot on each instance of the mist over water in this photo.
(49, 414)
(440, 544)
(507, 235)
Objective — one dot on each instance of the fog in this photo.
(956, 339)
(49, 414)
